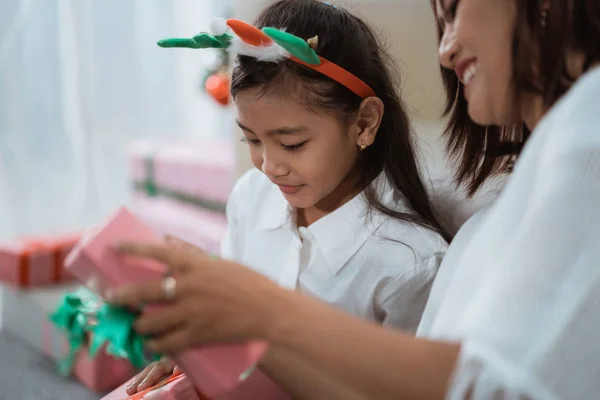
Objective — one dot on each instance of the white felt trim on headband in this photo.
(272, 53)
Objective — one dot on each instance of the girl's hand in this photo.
(151, 375)
(204, 300)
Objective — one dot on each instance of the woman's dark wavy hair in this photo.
(347, 41)
(540, 55)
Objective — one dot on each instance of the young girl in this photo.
(328, 210)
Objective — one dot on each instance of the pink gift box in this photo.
(174, 388)
(36, 261)
(216, 370)
(94, 261)
(179, 387)
(194, 225)
(201, 169)
(102, 372)
(25, 315)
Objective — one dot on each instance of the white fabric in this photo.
(520, 287)
(78, 80)
(374, 267)
(454, 207)
(452, 204)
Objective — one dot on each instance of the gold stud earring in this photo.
(363, 146)
(543, 18)
(544, 13)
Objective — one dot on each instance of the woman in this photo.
(514, 312)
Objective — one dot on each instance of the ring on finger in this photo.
(169, 286)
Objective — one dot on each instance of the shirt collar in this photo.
(340, 234)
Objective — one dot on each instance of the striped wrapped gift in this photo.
(198, 173)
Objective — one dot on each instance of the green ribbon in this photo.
(181, 197)
(150, 184)
(114, 328)
(82, 313)
(72, 317)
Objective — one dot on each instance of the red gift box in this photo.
(36, 262)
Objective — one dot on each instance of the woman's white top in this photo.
(520, 285)
(372, 266)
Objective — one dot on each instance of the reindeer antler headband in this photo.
(270, 45)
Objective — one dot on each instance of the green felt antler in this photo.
(202, 40)
(297, 47)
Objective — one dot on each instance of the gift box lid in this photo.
(95, 256)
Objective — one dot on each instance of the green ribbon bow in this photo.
(72, 317)
(114, 328)
(81, 313)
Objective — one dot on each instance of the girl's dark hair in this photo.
(348, 42)
(540, 55)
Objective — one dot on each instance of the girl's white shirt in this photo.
(368, 264)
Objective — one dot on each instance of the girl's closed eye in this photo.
(253, 142)
(293, 147)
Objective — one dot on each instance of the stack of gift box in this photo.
(181, 188)
(34, 280)
(217, 372)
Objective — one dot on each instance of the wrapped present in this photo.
(176, 387)
(25, 315)
(94, 261)
(35, 262)
(179, 387)
(199, 174)
(196, 226)
(215, 370)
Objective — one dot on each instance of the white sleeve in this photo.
(534, 332)
(231, 245)
(403, 300)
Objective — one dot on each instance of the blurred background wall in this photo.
(79, 79)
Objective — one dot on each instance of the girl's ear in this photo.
(368, 120)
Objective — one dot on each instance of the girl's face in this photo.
(308, 155)
(477, 45)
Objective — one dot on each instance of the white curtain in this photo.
(78, 80)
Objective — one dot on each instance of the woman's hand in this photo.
(208, 300)
(151, 375)
(220, 301)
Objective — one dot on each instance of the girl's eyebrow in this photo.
(277, 131)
